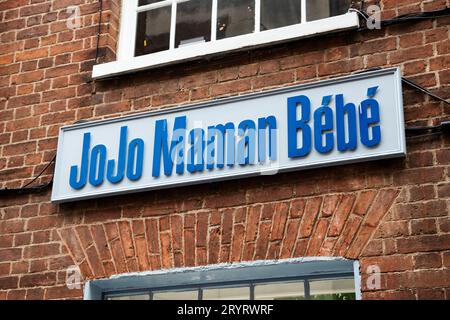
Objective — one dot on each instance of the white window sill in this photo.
(122, 66)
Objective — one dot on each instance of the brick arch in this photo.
(338, 224)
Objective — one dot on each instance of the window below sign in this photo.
(326, 289)
(155, 33)
(284, 280)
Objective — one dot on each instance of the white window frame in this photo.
(126, 61)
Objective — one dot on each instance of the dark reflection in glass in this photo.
(176, 295)
(153, 31)
(332, 289)
(235, 17)
(320, 9)
(280, 291)
(279, 13)
(193, 22)
(223, 293)
(145, 2)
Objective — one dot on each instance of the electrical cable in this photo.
(413, 85)
(405, 17)
(443, 127)
(361, 13)
(26, 187)
(97, 50)
(37, 188)
(417, 16)
(424, 90)
(43, 170)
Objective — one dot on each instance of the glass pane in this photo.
(130, 297)
(193, 22)
(319, 9)
(145, 2)
(235, 17)
(335, 289)
(280, 291)
(153, 31)
(242, 293)
(176, 295)
(279, 13)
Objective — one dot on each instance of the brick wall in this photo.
(390, 213)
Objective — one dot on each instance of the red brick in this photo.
(393, 229)
(341, 214)
(381, 204)
(424, 243)
(71, 241)
(118, 256)
(152, 235)
(423, 226)
(166, 250)
(189, 248)
(329, 205)
(311, 211)
(237, 243)
(62, 292)
(317, 238)
(39, 279)
(290, 238)
(201, 229)
(434, 208)
(10, 254)
(230, 87)
(127, 238)
(427, 260)
(31, 54)
(297, 208)
(248, 70)
(280, 216)
(253, 219)
(389, 263)
(347, 235)
(9, 283)
(214, 245)
(176, 228)
(225, 200)
(262, 242)
(42, 250)
(227, 226)
(280, 78)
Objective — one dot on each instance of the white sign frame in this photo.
(62, 193)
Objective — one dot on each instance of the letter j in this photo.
(79, 184)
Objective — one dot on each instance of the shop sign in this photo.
(349, 119)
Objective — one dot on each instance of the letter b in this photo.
(294, 125)
(345, 142)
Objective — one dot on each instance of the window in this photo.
(283, 280)
(155, 33)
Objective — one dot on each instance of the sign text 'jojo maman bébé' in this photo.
(354, 118)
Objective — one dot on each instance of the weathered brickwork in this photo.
(390, 213)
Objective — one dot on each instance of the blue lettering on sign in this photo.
(322, 129)
(93, 163)
(222, 134)
(346, 135)
(300, 130)
(176, 150)
(370, 121)
(219, 144)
